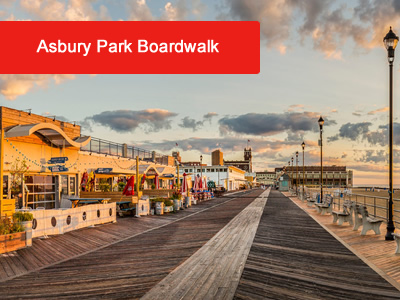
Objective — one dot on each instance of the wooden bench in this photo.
(326, 206)
(397, 239)
(368, 223)
(346, 215)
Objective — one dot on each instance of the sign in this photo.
(130, 47)
(57, 160)
(58, 168)
(211, 184)
(103, 170)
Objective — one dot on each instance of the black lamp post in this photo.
(201, 170)
(288, 169)
(321, 125)
(297, 172)
(292, 172)
(390, 41)
(303, 145)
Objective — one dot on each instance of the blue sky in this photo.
(317, 57)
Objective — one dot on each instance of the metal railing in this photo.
(123, 150)
(377, 206)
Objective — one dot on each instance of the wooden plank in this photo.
(294, 257)
(131, 261)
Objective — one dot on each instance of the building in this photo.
(217, 158)
(266, 177)
(333, 176)
(246, 164)
(43, 159)
(227, 176)
(192, 163)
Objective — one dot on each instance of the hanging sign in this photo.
(57, 160)
(58, 168)
(103, 170)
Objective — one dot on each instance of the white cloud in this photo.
(12, 86)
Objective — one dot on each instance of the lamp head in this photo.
(303, 145)
(390, 41)
(321, 122)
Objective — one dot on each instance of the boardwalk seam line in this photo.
(113, 243)
(359, 255)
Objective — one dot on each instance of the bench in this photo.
(311, 199)
(326, 206)
(346, 215)
(124, 207)
(368, 223)
(397, 239)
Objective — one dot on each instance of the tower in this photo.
(248, 158)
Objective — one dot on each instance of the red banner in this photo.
(129, 47)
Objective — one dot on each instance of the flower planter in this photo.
(159, 208)
(168, 209)
(12, 242)
(177, 204)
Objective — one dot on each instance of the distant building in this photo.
(192, 163)
(266, 177)
(246, 164)
(217, 158)
(229, 177)
(333, 176)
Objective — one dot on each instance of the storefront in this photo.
(43, 161)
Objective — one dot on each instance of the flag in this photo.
(129, 188)
(176, 144)
(248, 141)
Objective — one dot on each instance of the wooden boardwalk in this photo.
(293, 257)
(372, 248)
(123, 260)
(213, 272)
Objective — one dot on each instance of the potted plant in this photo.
(25, 219)
(168, 206)
(176, 197)
(12, 235)
(159, 203)
(18, 170)
(121, 186)
(104, 185)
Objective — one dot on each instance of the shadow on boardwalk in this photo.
(293, 257)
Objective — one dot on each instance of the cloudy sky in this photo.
(318, 57)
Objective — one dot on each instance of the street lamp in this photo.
(321, 124)
(292, 173)
(201, 170)
(390, 41)
(288, 169)
(297, 171)
(303, 145)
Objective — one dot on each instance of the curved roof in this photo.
(49, 133)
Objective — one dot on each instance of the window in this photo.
(186, 170)
(64, 184)
(72, 188)
(212, 170)
(41, 191)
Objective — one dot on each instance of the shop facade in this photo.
(43, 160)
